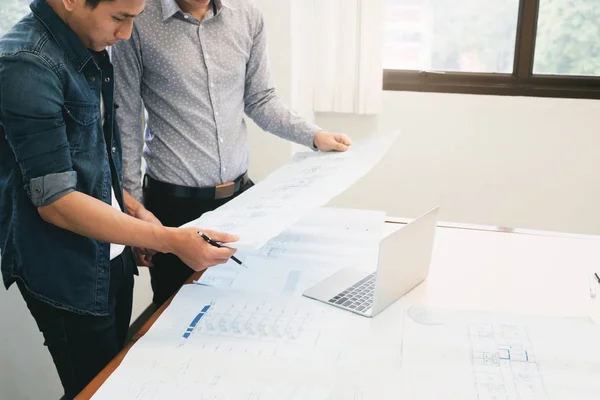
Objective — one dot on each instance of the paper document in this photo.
(284, 197)
(325, 241)
(485, 356)
(233, 345)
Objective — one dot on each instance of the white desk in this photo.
(533, 273)
(539, 273)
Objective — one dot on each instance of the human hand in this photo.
(326, 141)
(197, 253)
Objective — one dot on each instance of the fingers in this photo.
(146, 261)
(340, 147)
(224, 253)
(141, 259)
(198, 254)
(221, 237)
(218, 255)
(344, 139)
(147, 252)
(332, 141)
(341, 142)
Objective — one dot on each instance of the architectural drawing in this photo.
(490, 356)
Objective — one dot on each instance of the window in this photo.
(11, 11)
(546, 48)
(568, 38)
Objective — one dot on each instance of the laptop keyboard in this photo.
(357, 297)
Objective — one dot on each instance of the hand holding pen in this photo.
(217, 244)
(195, 251)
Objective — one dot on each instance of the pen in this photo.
(593, 285)
(597, 277)
(216, 244)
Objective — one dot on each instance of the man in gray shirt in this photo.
(197, 66)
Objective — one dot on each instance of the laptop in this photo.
(403, 263)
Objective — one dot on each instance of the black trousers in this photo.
(169, 272)
(82, 345)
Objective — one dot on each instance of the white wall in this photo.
(508, 161)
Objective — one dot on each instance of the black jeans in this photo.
(169, 272)
(82, 345)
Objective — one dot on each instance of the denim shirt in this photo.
(52, 142)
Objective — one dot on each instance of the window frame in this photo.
(522, 82)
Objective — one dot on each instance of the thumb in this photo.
(221, 236)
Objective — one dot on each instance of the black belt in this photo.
(222, 191)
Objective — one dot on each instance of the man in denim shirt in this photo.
(62, 227)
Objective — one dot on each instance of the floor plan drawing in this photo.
(490, 356)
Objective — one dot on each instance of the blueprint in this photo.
(490, 356)
(230, 344)
(211, 344)
(320, 244)
(288, 194)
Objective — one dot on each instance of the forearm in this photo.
(272, 115)
(87, 216)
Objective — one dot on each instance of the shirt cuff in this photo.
(45, 190)
(307, 135)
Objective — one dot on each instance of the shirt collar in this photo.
(62, 34)
(170, 7)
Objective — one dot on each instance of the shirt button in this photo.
(224, 169)
(186, 16)
(207, 56)
(221, 140)
(104, 194)
(37, 190)
(92, 79)
(107, 79)
(114, 149)
(216, 113)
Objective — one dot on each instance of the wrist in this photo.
(168, 239)
(132, 207)
(138, 211)
(315, 139)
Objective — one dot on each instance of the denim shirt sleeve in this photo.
(31, 106)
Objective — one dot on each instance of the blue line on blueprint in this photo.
(189, 330)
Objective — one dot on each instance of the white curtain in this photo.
(349, 69)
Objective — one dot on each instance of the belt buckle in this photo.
(224, 190)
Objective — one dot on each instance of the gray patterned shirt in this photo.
(196, 79)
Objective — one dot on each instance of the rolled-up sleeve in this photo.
(31, 104)
(47, 189)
